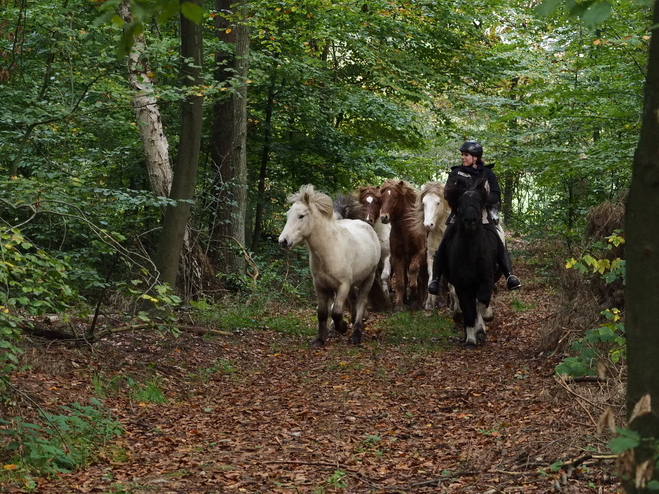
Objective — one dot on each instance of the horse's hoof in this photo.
(341, 328)
(356, 340)
(317, 343)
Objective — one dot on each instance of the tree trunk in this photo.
(176, 217)
(265, 156)
(642, 286)
(154, 141)
(229, 142)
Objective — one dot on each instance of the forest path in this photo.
(261, 411)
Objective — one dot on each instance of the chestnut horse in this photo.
(430, 214)
(370, 197)
(408, 244)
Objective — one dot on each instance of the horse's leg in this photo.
(486, 312)
(399, 281)
(417, 292)
(362, 300)
(353, 302)
(482, 311)
(337, 309)
(470, 316)
(484, 297)
(324, 302)
(385, 276)
(431, 300)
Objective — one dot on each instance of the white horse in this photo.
(371, 199)
(431, 212)
(343, 258)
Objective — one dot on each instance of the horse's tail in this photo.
(378, 299)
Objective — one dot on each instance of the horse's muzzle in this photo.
(283, 243)
(384, 218)
(470, 224)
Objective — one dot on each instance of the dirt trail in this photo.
(262, 412)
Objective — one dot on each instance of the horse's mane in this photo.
(405, 190)
(314, 200)
(366, 190)
(348, 207)
(454, 189)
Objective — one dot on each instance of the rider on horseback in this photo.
(472, 169)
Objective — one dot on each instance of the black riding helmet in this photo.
(473, 148)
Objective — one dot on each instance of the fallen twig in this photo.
(579, 398)
(589, 379)
(313, 463)
(435, 481)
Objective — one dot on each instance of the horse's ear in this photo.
(306, 193)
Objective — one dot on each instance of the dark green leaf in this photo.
(192, 11)
(596, 14)
(546, 7)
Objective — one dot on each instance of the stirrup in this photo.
(513, 283)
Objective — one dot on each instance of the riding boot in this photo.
(512, 281)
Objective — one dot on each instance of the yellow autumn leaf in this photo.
(10, 467)
(227, 30)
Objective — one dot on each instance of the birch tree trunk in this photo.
(171, 240)
(229, 141)
(147, 113)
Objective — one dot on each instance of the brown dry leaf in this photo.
(642, 407)
(643, 473)
(606, 421)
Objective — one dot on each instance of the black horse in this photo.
(470, 262)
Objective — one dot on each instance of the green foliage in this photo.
(610, 270)
(149, 391)
(628, 439)
(591, 12)
(33, 282)
(142, 11)
(222, 367)
(61, 443)
(607, 340)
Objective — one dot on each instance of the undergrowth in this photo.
(56, 443)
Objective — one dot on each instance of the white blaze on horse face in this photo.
(385, 216)
(369, 216)
(431, 204)
(298, 225)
